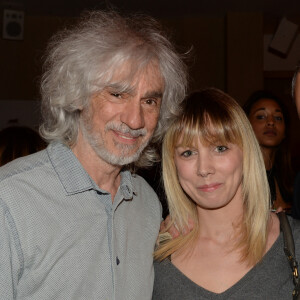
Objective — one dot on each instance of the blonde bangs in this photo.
(210, 130)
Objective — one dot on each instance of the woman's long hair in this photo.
(214, 116)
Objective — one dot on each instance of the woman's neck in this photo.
(220, 225)
(269, 157)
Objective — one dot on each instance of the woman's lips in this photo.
(270, 132)
(209, 187)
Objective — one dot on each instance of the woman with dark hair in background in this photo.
(296, 98)
(270, 121)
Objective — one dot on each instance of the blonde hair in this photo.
(212, 115)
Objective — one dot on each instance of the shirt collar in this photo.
(68, 168)
(126, 186)
(73, 176)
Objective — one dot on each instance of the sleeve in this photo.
(11, 258)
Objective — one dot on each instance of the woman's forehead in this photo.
(195, 139)
(206, 135)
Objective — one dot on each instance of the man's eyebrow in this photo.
(130, 90)
(120, 88)
(153, 94)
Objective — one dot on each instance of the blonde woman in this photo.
(212, 175)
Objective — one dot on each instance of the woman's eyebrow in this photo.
(263, 109)
(259, 109)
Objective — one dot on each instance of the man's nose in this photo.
(133, 115)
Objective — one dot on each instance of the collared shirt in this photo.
(61, 237)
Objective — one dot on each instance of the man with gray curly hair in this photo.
(76, 222)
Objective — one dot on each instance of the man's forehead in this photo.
(130, 76)
(132, 73)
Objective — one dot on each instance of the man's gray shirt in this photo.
(61, 237)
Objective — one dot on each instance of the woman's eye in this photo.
(260, 117)
(278, 118)
(187, 153)
(221, 149)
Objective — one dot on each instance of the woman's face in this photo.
(267, 121)
(210, 174)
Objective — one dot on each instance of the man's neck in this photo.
(105, 175)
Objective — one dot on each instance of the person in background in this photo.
(75, 221)
(296, 98)
(18, 141)
(270, 121)
(212, 175)
(296, 89)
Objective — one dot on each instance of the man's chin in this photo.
(120, 156)
(119, 159)
(123, 161)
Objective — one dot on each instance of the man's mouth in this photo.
(125, 137)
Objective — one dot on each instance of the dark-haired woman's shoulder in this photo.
(296, 197)
(295, 225)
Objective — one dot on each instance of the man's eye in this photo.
(151, 101)
(117, 95)
(278, 118)
(221, 149)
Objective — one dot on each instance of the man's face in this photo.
(297, 93)
(119, 124)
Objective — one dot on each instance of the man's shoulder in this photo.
(24, 165)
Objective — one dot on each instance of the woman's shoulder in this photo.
(162, 264)
(164, 272)
(273, 231)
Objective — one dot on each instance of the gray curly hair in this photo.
(81, 62)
